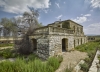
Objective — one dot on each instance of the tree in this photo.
(27, 25)
(8, 27)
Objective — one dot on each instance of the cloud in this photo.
(20, 6)
(46, 11)
(87, 15)
(95, 3)
(58, 17)
(82, 19)
(57, 5)
(18, 16)
(93, 29)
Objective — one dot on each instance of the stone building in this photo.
(57, 37)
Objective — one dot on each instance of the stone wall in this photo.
(42, 49)
(53, 39)
(80, 40)
(55, 44)
(50, 45)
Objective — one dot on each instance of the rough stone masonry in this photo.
(57, 37)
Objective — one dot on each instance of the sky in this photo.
(84, 12)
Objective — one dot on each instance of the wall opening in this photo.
(74, 43)
(78, 41)
(64, 44)
(58, 25)
(34, 44)
(74, 28)
(81, 40)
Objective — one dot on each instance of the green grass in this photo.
(5, 45)
(69, 68)
(90, 49)
(7, 53)
(33, 64)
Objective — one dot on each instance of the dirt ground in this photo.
(71, 59)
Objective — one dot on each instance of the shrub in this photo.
(33, 65)
(6, 53)
(32, 57)
(84, 67)
(54, 62)
(90, 48)
(69, 69)
(99, 57)
(19, 65)
(6, 66)
(87, 60)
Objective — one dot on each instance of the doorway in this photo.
(34, 44)
(64, 44)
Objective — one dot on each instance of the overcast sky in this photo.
(84, 12)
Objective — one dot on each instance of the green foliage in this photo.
(54, 62)
(99, 57)
(8, 25)
(90, 46)
(33, 65)
(87, 60)
(4, 45)
(84, 67)
(6, 66)
(6, 53)
(60, 58)
(40, 25)
(69, 69)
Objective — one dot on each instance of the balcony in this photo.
(53, 30)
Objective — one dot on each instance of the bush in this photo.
(99, 57)
(33, 65)
(54, 62)
(6, 53)
(87, 60)
(6, 66)
(84, 67)
(90, 48)
(69, 69)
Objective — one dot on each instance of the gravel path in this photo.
(71, 59)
